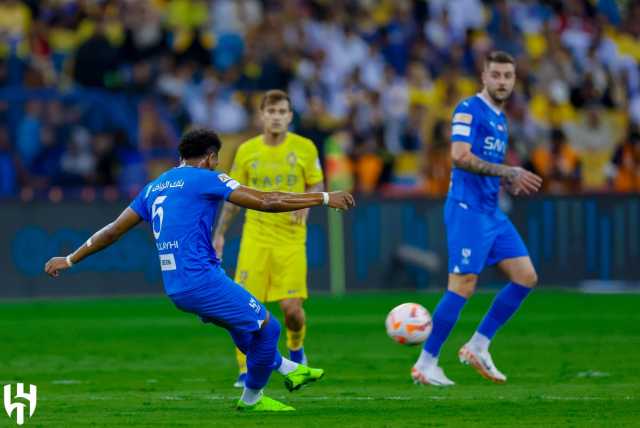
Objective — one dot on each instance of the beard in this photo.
(498, 96)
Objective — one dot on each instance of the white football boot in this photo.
(482, 362)
(431, 374)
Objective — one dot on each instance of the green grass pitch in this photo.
(572, 360)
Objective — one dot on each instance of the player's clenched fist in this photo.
(341, 200)
(522, 181)
(54, 265)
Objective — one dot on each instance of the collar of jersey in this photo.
(277, 146)
(495, 110)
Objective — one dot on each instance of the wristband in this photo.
(68, 259)
(325, 198)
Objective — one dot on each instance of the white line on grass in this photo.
(593, 373)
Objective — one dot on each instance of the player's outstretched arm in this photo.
(98, 241)
(300, 216)
(518, 180)
(284, 201)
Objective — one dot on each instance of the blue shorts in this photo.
(223, 303)
(476, 239)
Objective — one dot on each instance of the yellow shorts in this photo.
(273, 273)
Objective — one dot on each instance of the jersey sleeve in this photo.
(312, 168)
(219, 186)
(139, 204)
(464, 123)
(238, 171)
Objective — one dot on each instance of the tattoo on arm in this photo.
(472, 163)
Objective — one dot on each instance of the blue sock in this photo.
(296, 355)
(263, 355)
(444, 318)
(505, 304)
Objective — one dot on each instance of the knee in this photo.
(463, 285)
(529, 278)
(294, 316)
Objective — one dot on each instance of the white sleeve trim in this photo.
(463, 130)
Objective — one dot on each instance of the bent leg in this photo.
(511, 257)
(520, 270)
(289, 288)
(294, 320)
(508, 300)
(448, 311)
(262, 354)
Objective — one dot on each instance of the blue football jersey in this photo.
(181, 206)
(485, 128)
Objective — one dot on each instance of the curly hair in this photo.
(199, 142)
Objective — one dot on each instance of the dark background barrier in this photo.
(570, 240)
(31, 233)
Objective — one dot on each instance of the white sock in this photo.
(480, 341)
(287, 366)
(426, 359)
(250, 396)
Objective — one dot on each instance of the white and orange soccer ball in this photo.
(409, 324)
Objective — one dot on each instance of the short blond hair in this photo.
(274, 96)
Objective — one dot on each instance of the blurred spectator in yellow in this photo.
(592, 136)
(187, 19)
(557, 163)
(15, 22)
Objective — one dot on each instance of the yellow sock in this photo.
(242, 361)
(295, 339)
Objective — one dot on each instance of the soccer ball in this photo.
(408, 324)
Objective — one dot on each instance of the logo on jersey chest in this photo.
(494, 146)
(278, 180)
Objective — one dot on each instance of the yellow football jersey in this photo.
(288, 167)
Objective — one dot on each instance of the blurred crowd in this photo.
(95, 93)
